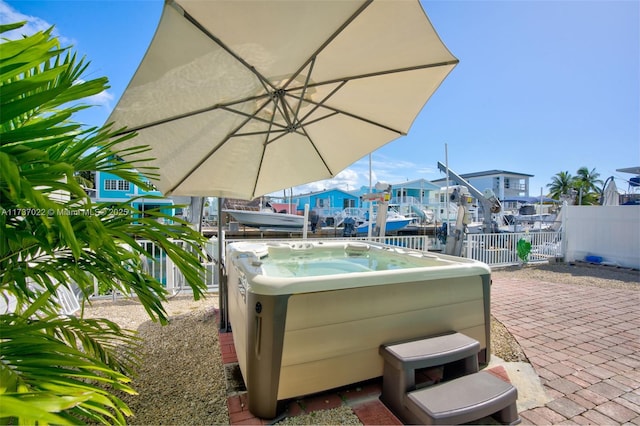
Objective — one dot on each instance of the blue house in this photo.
(327, 203)
(333, 199)
(418, 191)
(112, 189)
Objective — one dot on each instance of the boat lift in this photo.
(460, 196)
(383, 199)
(488, 200)
(455, 241)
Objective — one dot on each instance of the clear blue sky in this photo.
(542, 86)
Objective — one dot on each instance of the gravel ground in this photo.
(181, 380)
(578, 273)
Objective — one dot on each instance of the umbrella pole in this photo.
(222, 277)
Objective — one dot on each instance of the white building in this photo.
(503, 183)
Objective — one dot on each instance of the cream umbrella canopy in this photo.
(243, 98)
(610, 195)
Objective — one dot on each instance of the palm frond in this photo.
(56, 369)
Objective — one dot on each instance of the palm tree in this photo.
(56, 369)
(586, 183)
(561, 185)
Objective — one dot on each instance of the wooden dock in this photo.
(246, 232)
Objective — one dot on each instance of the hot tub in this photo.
(310, 316)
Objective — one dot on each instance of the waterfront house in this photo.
(113, 189)
(504, 184)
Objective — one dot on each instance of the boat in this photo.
(355, 221)
(526, 218)
(267, 218)
(529, 223)
(394, 223)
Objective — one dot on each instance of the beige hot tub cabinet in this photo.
(316, 319)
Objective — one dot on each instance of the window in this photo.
(116, 185)
(110, 184)
(348, 203)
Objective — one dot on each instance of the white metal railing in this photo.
(501, 249)
(414, 242)
(492, 249)
(160, 267)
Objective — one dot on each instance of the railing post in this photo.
(469, 243)
(170, 275)
(96, 288)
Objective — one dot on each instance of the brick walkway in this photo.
(584, 343)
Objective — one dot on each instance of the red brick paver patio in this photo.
(584, 343)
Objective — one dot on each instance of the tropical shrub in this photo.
(57, 369)
(523, 248)
(585, 188)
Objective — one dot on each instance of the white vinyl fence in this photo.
(501, 249)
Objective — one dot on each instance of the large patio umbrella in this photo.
(244, 98)
(610, 195)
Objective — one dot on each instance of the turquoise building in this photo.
(113, 189)
(327, 199)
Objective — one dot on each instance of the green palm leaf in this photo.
(66, 370)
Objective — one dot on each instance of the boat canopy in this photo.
(529, 200)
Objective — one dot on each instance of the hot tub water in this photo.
(314, 261)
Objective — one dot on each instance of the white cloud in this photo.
(102, 99)
(9, 15)
(383, 169)
(347, 180)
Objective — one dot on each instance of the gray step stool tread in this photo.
(462, 400)
(430, 352)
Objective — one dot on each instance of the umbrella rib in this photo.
(379, 73)
(263, 132)
(344, 81)
(321, 102)
(193, 113)
(329, 39)
(255, 182)
(338, 111)
(326, 166)
(219, 42)
(253, 116)
(281, 135)
(215, 149)
(266, 142)
(304, 89)
(349, 114)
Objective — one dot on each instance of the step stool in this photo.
(401, 360)
(465, 399)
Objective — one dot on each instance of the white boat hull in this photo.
(263, 219)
